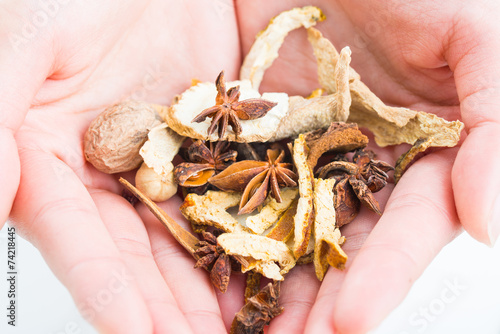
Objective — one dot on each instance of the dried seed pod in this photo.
(114, 138)
(158, 188)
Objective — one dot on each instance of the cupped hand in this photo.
(62, 62)
(438, 57)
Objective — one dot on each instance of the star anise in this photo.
(258, 311)
(356, 183)
(256, 179)
(213, 258)
(204, 163)
(229, 111)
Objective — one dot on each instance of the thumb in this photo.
(473, 56)
(24, 65)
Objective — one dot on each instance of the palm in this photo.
(64, 204)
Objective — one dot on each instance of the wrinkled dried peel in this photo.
(338, 138)
(261, 252)
(270, 213)
(197, 98)
(306, 114)
(267, 43)
(327, 249)
(283, 230)
(211, 209)
(390, 125)
(302, 219)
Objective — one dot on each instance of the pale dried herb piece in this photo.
(258, 311)
(327, 235)
(261, 253)
(303, 219)
(257, 179)
(204, 162)
(213, 259)
(229, 111)
(283, 230)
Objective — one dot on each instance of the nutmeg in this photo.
(114, 138)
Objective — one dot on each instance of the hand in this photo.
(429, 56)
(61, 64)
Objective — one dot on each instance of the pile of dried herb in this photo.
(296, 167)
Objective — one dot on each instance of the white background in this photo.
(473, 306)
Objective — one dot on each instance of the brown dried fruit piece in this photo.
(203, 163)
(114, 138)
(338, 138)
(258, 311)
(213, 258)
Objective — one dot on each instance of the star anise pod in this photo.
(258, 311)
(213, 258)
(229, 111)
(356, 183)
(204, 163)
(256, 179)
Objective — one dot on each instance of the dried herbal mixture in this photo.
(295, 168)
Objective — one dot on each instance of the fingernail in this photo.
(494, 224)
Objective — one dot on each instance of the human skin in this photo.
(430, 56)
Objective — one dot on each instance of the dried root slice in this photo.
(211, 209)
(202, 96)
(160, 149)
(283, 230)
(302, 219)
(390, 125)
(306, 114)
(260, 252)
(338, 138)
(406, 159)
(270, 213)
(258, 311)
(267, 43)
(327, 249)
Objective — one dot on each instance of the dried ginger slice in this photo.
(302, 219)
(261, 253)
(270, 213)
(306, 114)
(202, 96)
(267, 43)
(160, 149)
(327, 249)
(390, 125)
(211, 209)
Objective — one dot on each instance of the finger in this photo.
(418, 221)
(297, 294)
(191, 287)
(22, 74)
(130, 236)
(55, 212)
(476, 181)
(320, 319)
